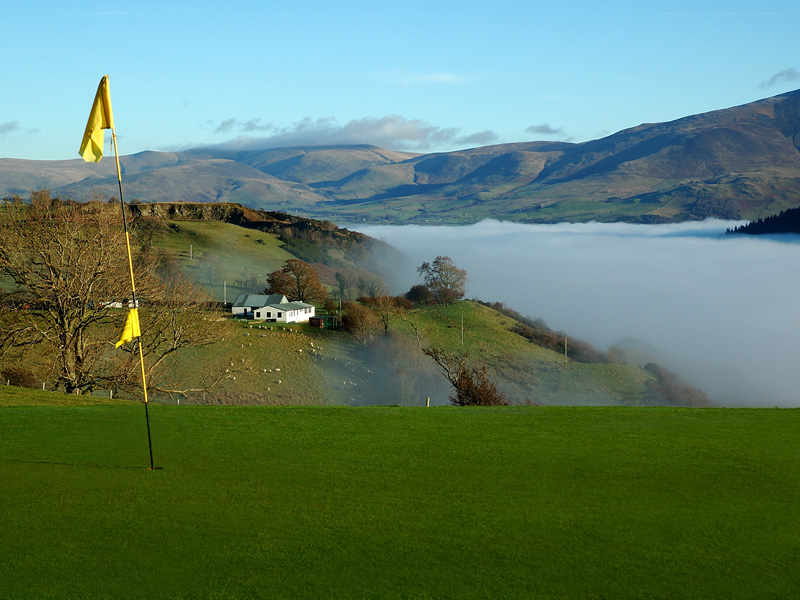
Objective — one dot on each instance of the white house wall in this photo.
(286, 316)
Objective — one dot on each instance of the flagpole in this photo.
(133, 293)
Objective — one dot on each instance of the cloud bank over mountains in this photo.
(547, 130)
(720, 310)
(391, 131)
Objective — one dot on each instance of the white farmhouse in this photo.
(246, 304)
(274, 308)
(286, 312)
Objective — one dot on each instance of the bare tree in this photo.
(297, 280)
(69, 291)
(420, 331)
(146, 229)
(387, 308)
(68, 267)
(370, 285)
(472, 385)
(446, 282)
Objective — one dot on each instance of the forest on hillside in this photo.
(787, 221)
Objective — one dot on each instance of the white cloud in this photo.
(392, 131)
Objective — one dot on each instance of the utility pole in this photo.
(565, 345)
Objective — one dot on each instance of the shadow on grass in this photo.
(68, 464)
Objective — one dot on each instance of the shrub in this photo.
(419, 294)
(472, 386)
(19, 376)
(361, 322)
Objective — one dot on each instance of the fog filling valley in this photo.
(720, 310)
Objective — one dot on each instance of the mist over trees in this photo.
(354, 284)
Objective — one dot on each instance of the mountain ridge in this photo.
(739, 162)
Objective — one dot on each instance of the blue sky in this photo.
(416, 76)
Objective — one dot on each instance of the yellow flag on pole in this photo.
(131, 329)
(100, 118)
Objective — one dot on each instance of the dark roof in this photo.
(287, 305)
(258, 300)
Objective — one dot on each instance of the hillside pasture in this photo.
(331, 367)
(214, 253)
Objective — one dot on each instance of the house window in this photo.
(280, 315)
(269, 315)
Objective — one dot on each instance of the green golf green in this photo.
(338, 502)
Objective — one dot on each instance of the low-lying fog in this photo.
(724, 311)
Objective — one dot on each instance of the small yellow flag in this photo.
(131, 329)
(99, 119)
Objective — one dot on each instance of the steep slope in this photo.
(319, 242)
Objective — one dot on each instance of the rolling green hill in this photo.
(304, 365)
(229, 250)
(231, 244)
(741, 162)
(299, 364)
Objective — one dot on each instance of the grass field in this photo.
(222, 252)
(327, 502)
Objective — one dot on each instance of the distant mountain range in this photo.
(741, 162)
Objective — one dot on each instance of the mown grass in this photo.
(321, 502)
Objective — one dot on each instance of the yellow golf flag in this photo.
(131, 329)
(99, 119)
